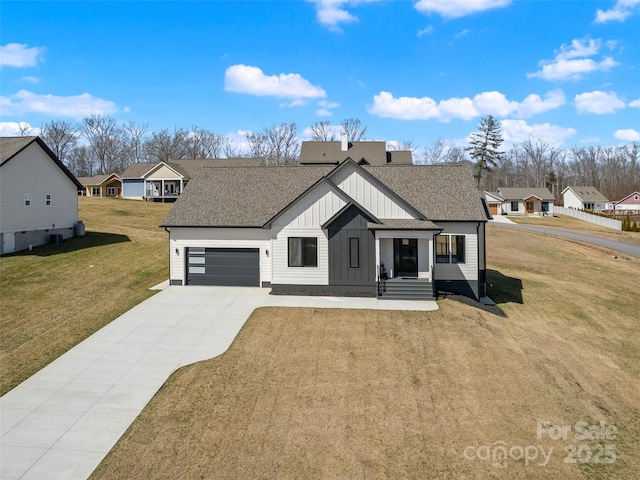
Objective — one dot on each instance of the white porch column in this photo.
(377, 257)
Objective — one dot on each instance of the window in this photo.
(95, 191)
(450, 249)
(303, 252)
(442, 249)
(354, 252)
(47, 199)
(27, 199)
(545, 206)
(514, 206)
(111, 191)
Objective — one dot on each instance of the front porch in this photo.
(405, 288)
(163, 190)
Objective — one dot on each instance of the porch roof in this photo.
(402, 224)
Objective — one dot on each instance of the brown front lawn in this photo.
(323, 394)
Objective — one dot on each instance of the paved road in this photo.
(626, 248)
(61, 422)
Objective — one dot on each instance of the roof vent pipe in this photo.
(345, 143)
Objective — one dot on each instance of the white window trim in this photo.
(27, 199)
(48, 199)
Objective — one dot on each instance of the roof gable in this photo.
(11, 147)
(522, 193)
(586, 193)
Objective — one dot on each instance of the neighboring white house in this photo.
(520, 201)
(396, 231)
(38, 194)
(630, 202)
(583, 198)
(165, 181)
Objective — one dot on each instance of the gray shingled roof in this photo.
(587, 194)
(375, 153)
(11, 146)
(251, 196)
(402, 224)
(187, 167)
(240, 196)
(95, 180)
(524, 193)
(439, 192)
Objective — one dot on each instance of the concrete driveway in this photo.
(61, 422)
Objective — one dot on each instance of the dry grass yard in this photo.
(340, 394)
(55, 296)
(565, 222)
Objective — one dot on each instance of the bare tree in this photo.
(164, 146)
(60, 136)
(277, 144)
(24, 129)
(436, 152)
(107, 140)
(201, 143)
(353, 128)
(323, 132)
(81, 162)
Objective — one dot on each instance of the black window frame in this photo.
(544, 207)
(354, 260)
(517, 204)
(308, 248)
(456, 248)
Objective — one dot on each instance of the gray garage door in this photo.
(223, 266)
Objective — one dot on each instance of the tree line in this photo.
(613, 170)
(99, 144)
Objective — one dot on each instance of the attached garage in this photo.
(223, 266)
(493, 208)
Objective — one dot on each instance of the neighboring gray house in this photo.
(319, 229)
(364, 153)
(520, 201)
(583, 198)
(38, 195)
(165, 181)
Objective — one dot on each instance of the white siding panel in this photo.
(32, 171)
(354, 184)
(461, 271)
(182, 238)
(283, 274)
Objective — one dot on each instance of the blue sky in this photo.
(564, 71)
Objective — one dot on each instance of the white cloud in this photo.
(13, 129)
(252, 80)
(31, 79)
(635, 103)
(571, 61)
(598, 102)
(622, 10)
(77, 106)
(517, 131)
(628, 134)
(325, 108)
(494, 103)
(428, 30)
(323, 112)
(332, 13)
(458, 8)
(19, 55)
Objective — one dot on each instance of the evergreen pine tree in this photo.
(484, 145)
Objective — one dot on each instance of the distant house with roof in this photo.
(165, 181)
(583, 198)
(629, 203)
(38, 195)
(364, 153)
(346, 229)
(520, 201)
(102, 185)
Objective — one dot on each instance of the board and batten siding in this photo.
(304, 219)
(33, 171)
(460, 271)
(367, 194)
(181, 238)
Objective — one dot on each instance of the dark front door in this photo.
(405, 255)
